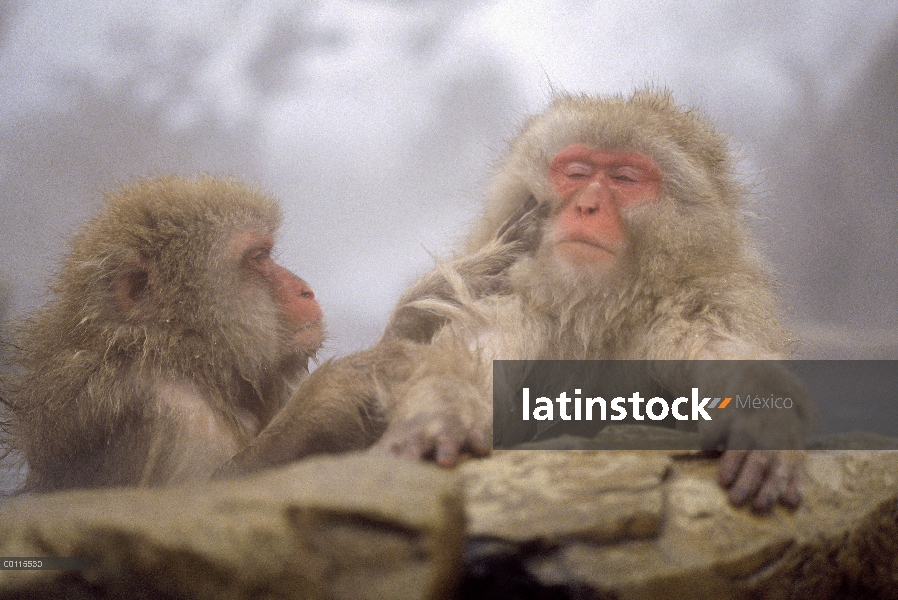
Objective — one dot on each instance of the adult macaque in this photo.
(173, 337)
(643, 254)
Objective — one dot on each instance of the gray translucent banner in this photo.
(695, 405)
(43, 563)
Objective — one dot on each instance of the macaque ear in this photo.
(129, 289)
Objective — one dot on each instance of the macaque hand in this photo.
(524, 227)
(483, 272)
(438, 418)
(749, 469)
(763, 476)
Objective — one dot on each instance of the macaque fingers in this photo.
(447, 450)
(524, 226)
(795, 487)
(730, 464)
(751, 477)
(775, 484)
(441, 437)
(765, 477)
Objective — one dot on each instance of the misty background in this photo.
(377, 124)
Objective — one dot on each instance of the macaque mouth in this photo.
(311, 325)
(309, 335)
(586, 241)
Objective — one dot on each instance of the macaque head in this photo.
(189, 261)
(635, 180)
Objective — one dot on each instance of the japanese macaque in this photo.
(172, 339)
(628, 242)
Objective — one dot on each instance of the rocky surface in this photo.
(540, 524)
(559, 496)
(690, 542)
(352, 527)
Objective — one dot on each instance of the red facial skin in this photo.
(301, 312)
(593, 188)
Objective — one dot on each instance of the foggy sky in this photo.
(377, 124)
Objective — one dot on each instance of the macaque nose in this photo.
(594, 198)
(295, 292)
(292, 285)
(586, 210)
(301, 300)
(304, 290)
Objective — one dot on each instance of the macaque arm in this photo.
(444, 408)
(337, 409)
(760, 429)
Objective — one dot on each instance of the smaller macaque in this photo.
(172, 339)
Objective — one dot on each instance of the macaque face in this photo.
(593, 188)
(301, 313)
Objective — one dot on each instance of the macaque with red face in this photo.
(613, 230)
(172, 339)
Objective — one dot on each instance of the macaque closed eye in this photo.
(257, 257)
(577, 170)
(627, 175)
